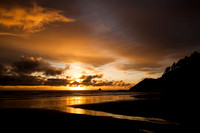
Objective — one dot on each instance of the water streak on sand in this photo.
(117, 116)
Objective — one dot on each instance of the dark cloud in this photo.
(8, 77)
(104, 83)
(28, 65)
(87, 79)
(25, 80)
(121, 83)
(56, 82)
(16, 80)
(53, 71)
(109, 83)
(74, 84)
(91, 76)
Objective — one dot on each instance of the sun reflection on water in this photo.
(59, 103)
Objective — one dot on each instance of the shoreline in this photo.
(150, 108)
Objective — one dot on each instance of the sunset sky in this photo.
(93, 43)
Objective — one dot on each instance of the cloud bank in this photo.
(30, 71)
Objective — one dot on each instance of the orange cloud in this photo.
(29, 19)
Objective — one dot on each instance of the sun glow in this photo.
(77, 88)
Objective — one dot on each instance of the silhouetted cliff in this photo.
(182, 77)
(146, 85)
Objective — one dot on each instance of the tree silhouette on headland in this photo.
(180, 79)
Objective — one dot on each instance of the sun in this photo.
(77, 88)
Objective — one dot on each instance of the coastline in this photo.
(37, 116)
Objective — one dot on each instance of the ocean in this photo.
(58, 100)
(5, 95)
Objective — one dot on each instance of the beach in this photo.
(105, 112)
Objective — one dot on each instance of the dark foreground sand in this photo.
(50, 120)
